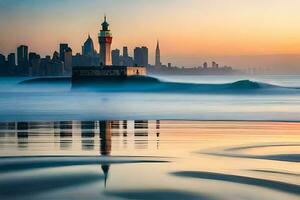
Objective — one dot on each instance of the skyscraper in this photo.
(11, 58)
(62, 48)
(88, 47)
(68, 61)
(145, 56)
(125, 52)
(22, 53)
(137, 55)
(126, 60)
(105, 40)
(115, 55)
(141, 56)
(34, 62)
(157, 55)
(2, 60)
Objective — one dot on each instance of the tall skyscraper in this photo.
(88, 47)
(157, 55)
(62, 48)
(22, 53)
(68, 61)
(137, 56)
(115, 55)
(34, 62)
(141, 56)
(105, 40)
(125, 52)
(11, 58)
(2, 60)
(145, 60)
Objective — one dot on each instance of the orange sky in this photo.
(185, 28)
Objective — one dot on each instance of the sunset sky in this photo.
(189, 30)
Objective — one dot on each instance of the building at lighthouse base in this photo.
(107, 72)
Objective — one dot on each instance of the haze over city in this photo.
(239, 33)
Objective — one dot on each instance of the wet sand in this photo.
(150, 160)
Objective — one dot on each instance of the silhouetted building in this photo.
(125, 52)
(141, 56)
(3, 65)
(2, 60)
(125, 59)
(22, 52)
(115, 55)
(88, 47)
(54, 67)
(137, 55)
(44, 66)
(105, 40)
(11, 59)
(68, 61)
(157, 55)
(34, 63)
(62, 48)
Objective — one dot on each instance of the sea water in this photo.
(61, 143)
(59, 102)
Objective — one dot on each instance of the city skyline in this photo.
(232, 28)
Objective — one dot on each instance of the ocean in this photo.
(277, 101)
(182, 137)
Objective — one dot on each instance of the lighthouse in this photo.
(105, 71)
(105, 39)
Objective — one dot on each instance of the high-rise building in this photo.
(205, 65)
(2, 60)
(55, 66)
(137, 56)
(125, 52)
(22, 53)
(105, 40)
(34, 62)
(115, 55)
(126, 60)
(62, 48)
(157, 55)
(3, 66)
(11, 58)
(145, 60)
(141, 56)
(88, 47)
(68, 61)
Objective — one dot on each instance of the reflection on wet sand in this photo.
(276, 185)
(105, 135)
(22, 134)
(65, 132)
(233, 152)
(52, 158)
(159, 194)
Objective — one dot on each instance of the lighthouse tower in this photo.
(105, 39)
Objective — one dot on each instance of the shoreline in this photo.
(175, 120)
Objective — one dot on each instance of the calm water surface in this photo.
(156, 159)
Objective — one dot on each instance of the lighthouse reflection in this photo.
(109, 129)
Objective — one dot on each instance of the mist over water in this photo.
(175, 97)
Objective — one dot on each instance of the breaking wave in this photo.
(150, 84)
